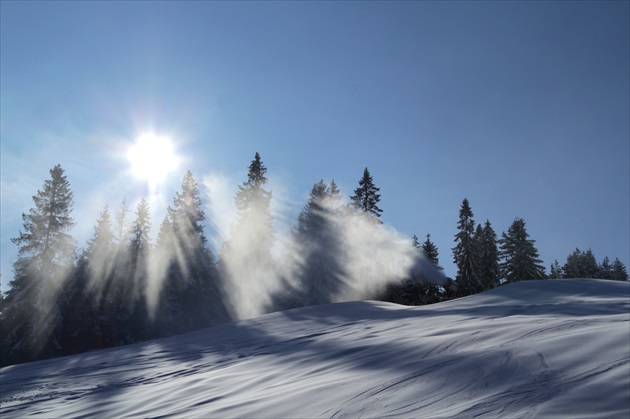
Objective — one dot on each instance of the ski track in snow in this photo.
(554, 348)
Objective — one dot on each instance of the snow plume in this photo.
(347, 256)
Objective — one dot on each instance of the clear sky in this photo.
(521, 107)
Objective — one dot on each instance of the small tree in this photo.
(366, 197)
(555, 271)
(430, 250)
(519, 254)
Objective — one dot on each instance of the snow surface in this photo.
(535, 348)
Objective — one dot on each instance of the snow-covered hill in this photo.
(536, 348)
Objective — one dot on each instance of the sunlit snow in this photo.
(533, 349)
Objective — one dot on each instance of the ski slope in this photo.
(554, 348)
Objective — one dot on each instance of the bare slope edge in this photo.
(554, 348)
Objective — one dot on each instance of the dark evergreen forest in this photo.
(123, 287)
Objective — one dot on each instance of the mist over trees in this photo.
(123, 287)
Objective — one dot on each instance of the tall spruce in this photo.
(140, 248)
(32, 324)
(519, 255)
(100, 254)
(464, 253)
(488, 256)
(366, 197)
(193, 282)
(245, 259)
(319, 243)
(85, 317)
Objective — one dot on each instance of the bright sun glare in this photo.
(152, 158)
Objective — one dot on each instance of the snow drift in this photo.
(532, 349)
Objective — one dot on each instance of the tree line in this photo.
(124, 288)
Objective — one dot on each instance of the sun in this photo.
(152, 158)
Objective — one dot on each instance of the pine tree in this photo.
(605, 270)
(101, 252)
(123, 229)
(573, 266)
(246, 256)
(488, 254)
(318, 241)
(139, 253)
(334, 192)
(464, 253)
(251, 196)
(619, 271)
(555, 271)
(581, 265)
(193, 280)
(111, 283)
(33, 321)
(591, 266)
(161, 301)
(519, 255)
(430, 250)
(312, 215)
(366, 197)
(84, 317)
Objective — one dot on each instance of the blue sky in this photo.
(521, 107)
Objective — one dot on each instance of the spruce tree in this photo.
(464, 253)
(193, 280)
(366, 197)
(605, 270)
(590, 265)
(246, 260)
(160, 299)
(581, 265)
(573, 265)
(313, 214)
(488, 254)
(33, 320)
(619, 271)
(555, 271)
(519, 255)
(430, 250)
(85, 317)
(110, 282)
(316, 240)
(140, 248)
(100, 254)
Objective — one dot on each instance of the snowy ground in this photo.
(536, 348)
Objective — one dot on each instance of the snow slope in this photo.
(535, 348)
